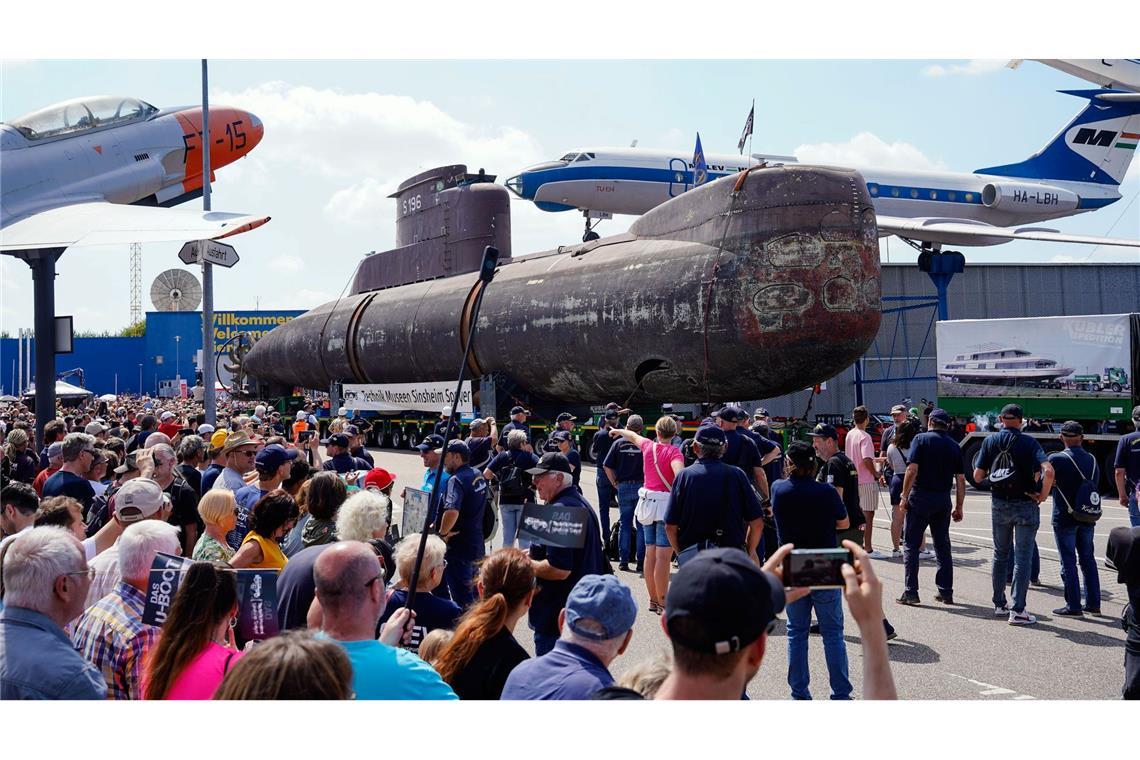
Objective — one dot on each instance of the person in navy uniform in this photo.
(599, 448)
(518, 422)
(565, 422)
(440, 428)
(933, 468)
(1071, 468)
(558, 569)
(624, 466)
(1127, 469)
(712, 504)
(740, 450)
(340, 460)
(565, 443)
(481, 441)
(461, 525)
(356, 445)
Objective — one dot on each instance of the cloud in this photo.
(332, 139)
(307, 299)
(866, 149)
(973, 67)
(287, 264)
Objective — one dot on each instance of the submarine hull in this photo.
(749, 287)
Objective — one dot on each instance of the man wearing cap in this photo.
(557, 568)
(1015, 508)
(1075, 539)
(273, 464)
(238, 453)
(518, 422)
(839, 472)
(624, 465)
(55, 461)
(721, 607)
(935, 466)
(356, 445)
(215, 454)
(712, 504)
(565, 422)
(596, 627)
(78, 454)
(740, 450)
(481, 441)
(599, 448)
(96, 430)
(564, 441)
(1127, 469)
(440, 428)
(340, 460)
(461, 523)
(808, 514)
(430, 448)
(139, 499)
(168, 425)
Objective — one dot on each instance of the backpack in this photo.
(514, 485)
(1086, 502)
(1004, 478)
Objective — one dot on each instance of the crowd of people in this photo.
(364, 613)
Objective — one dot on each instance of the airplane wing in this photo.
(968, 232)
(103, 223)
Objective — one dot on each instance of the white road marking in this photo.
(989, 690)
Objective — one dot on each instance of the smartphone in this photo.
(816, 568)
(305, 435)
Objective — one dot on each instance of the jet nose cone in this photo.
(516, 185)
(256, 129)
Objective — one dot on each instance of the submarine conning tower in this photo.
(445, 217)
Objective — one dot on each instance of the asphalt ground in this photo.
(943, 652)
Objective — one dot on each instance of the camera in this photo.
(816, 568)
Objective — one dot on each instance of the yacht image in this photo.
(1000, 365)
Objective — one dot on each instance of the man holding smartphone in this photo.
(808, 514)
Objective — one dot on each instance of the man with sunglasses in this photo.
(239, 451)
(78, 455)
(45, 584)
(1015, 508)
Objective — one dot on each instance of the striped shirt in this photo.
(112, 636)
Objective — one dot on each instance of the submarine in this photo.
(748, 287)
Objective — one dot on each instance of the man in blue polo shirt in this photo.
(1074, 466)
(340, 460)
(429, 449)
(462, 522)
(934, 466)
(1015, 508)
(1127, 469)
(518, 422)
(597, 625)
(557, 568)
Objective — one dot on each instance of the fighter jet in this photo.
(107, 169)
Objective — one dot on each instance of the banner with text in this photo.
(400, 397)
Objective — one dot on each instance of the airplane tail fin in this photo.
(1096, 146)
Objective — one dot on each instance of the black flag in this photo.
(747, 129)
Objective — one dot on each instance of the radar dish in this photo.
(176, 290)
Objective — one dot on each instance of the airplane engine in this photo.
(1028, 197)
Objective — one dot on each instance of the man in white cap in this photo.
(168, 425)
(441, 426)
(139, 499)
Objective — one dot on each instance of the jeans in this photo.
(654, 534)
(1133, 510)
(928, 509)
(511, 516)
(828, 604)
(459, 576)
(1034, 566)
(1015, 523)
(1075, 541)
(543, 643)
(606, 496)
(627, 503)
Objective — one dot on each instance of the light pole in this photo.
(140, 380)
(177, 357)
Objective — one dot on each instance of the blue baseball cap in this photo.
(823, 430)
(731, 413)
(710, 435)
(940, 416)
(561, 435)
(431, 442)
(600, 607)
(274, 455)
(457, 446)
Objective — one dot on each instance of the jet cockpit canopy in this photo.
(81, 115)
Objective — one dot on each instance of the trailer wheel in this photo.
(969, 454)
(1116, 388)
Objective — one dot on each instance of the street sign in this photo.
(215, 253)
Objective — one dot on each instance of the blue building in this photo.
(167, 351)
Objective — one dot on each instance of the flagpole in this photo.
(753, 130)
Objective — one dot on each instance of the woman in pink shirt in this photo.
(196, 649)
(661, 463)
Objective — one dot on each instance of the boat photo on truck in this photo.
(1057, 368)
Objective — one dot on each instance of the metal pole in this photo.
(209, 398)
(43, 273)
(20, 359)
(140, 380)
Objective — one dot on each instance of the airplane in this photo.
(1113, 73)
(1078, 171)
(107, 170)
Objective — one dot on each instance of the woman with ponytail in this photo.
(196, 648)
(483, 651)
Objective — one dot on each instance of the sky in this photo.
(341, 135)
